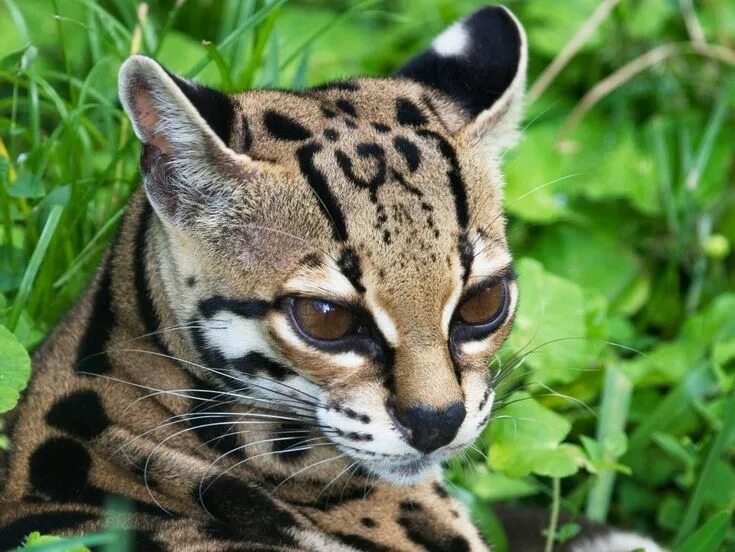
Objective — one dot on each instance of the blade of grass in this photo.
(88, 248)
(324, 28)
(709, 537)
(225, 71)
(695, 386)
(616, 394)
(707, 474)
(251, 22)
(34, 264)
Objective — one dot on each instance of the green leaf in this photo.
(566, 251)
(550, 323)
(527, 438)
(15, 369)
(536, 174)
(35, 541)
(494, 487)
(709, 537)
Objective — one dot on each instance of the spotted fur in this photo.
(180, 384)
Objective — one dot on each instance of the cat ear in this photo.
(479, 63)
(185, 129)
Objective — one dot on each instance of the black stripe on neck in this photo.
(146, 308)
(91, 355)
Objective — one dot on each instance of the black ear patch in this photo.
(215, 107)
(474, 61)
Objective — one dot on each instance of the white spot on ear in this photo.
(451, 42)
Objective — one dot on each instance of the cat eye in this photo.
(485, 306)
(321, 319)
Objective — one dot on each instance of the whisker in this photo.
(302, 470)
(237, 464)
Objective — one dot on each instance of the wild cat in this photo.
(290, 332)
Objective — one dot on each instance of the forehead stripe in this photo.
(318, 182)
(349, 265)
(455, 176)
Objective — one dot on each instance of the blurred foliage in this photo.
(617, 398)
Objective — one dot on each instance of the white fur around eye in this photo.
(451, 42)
(235, 336)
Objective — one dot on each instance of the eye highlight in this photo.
(484, 306)
(321, 319)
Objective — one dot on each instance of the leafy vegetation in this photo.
(618, 399)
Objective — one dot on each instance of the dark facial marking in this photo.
(210, 356)
(440, 491)
(312, 260)
(409, 151)
(328, 113)
(81, 414)
(408, 113)
(368, 522)
(410, 506)
(466, 256)
(350, 123)
(346, 106)
(354, 436)
(351, 414)
(318, 182)
(248, 308)
(247, 136)
(191, 281)
(91, 358)
(377, 179)
(252, 363)
(349, 265)
(380, 127)
(284, 128)
(455, 176)
(331, 134)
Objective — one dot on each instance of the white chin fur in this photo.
(402, 477)
(617, 542)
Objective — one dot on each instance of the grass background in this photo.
(621, 402)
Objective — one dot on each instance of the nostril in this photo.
(426, 428)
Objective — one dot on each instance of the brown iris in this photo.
(484, 306)
(322, 319)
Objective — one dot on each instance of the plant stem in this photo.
(554, 517)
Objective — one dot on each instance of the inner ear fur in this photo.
(184, 128)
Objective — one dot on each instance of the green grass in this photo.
(622, 224)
